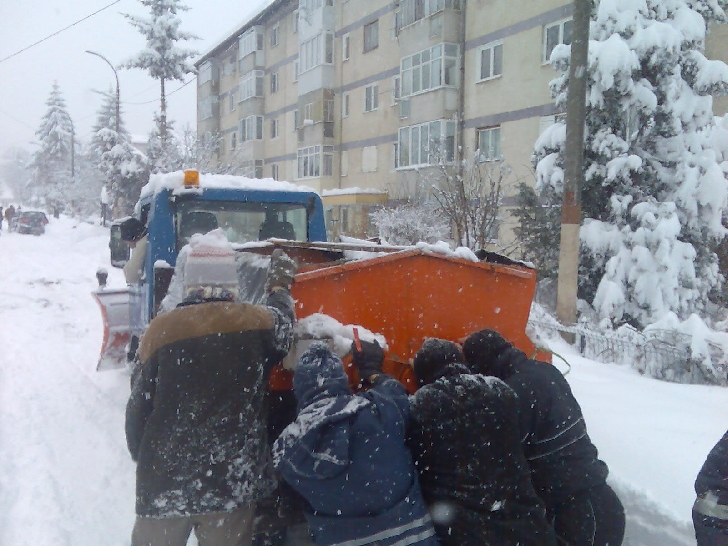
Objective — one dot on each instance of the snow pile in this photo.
(352, 191)
(321, 326)
(175, 182)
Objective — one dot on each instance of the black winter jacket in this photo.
(562, 458)
(196, 418)
(465, 440)
(713, 476)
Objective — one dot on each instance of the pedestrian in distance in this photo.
(464, 436)
(9, 214)
(565, 468)
(346, 455)
(196, 419)
(710, 511)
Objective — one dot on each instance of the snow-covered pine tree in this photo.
(52, 162)
(162, 57)
(163, 155)
(123, 167)
(655, 188)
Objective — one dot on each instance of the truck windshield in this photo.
(242, 222)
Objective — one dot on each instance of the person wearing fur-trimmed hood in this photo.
(346, 454)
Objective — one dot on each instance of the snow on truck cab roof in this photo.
(175, 182)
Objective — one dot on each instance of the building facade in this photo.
(348, 96)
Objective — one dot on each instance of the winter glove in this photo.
(281, 272)
(368, 360)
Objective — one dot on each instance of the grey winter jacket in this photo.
(196, 418)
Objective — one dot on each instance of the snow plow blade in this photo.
(114, 306)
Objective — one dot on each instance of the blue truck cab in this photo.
(175, 206)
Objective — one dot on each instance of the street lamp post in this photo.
(117, 86)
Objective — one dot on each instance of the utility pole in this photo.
(573, 165)
(118, 99)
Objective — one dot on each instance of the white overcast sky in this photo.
(27, 78)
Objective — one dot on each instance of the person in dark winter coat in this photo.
(464, 437)
(346, 454)
(196, 418)
(565, 468)
(710, 511)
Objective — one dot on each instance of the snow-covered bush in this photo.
(408, 224)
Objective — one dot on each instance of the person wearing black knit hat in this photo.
(565, 468)
(464, 436)
(134, 233)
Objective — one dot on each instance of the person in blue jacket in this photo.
(710, 511)
(346, 454)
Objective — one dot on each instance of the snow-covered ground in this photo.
(66, 478)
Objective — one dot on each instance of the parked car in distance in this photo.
(31, 222)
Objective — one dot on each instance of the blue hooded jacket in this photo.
(346, 455)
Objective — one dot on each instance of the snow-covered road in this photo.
(66, 478)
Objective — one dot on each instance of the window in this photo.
(274, 128)
(489, 144)
(309, 54)
(555, 34)
(328, 161)
(412, 11)
(329, 48)
(328, 110)
(251, 85)
(274, 171)
(309, 162)
(396, 89)
(308, 111)
(251, 128)
(233, 140)
(344, 163)
(371, 97)
(232, 102)
(429, 69)
(205, 74)
(205, 107)
(427, 143)
(436, 26)
(274, 35)
(371, 36)
(274, 82)
(395, 155)
(295, 22)
(345, 47)
(250, 41)
(295, 120)
(309, 6)
(490, 59)
(345, 105)
(295, 71)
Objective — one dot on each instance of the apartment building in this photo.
(360, 99)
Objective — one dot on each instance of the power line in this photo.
(16, 120)
(58, 32)
(155, 100)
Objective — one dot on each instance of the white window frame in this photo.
(372, 31)
(251, 128)
(396, 89)
(328, 48)
(428, 69)
(491, 50)
(275, 35)
(327, 161)
(308, 111)
(309, 162)
(274, 82)
(251, 85)
(344, 163)
(417, 151)
(310, 53)
(309, 6)
(371, 97)
(233, 140)
(295, 120)
(345, 47)
(274, 132)
(274, 174)
(328, 110)
(493, 150)
(295, 22)
(233, 102)
(249, 42)
(345, 105)
(546, 53)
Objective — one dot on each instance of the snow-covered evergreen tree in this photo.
(53, 160)
(163, 154)
(123, 168)
(162, 57)
(655, 187)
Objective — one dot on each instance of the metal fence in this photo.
(663, 354)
